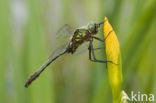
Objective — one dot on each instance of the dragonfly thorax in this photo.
(81, 35)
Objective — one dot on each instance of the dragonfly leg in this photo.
(98, 39)
(98, 48)
(91, 53)
(101, 39)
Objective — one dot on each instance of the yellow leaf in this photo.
(113, 54)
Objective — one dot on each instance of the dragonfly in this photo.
(80, 35)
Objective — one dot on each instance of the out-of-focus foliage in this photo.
(27, 28)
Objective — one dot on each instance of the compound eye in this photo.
(92, 28)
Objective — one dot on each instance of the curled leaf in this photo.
(113, 54)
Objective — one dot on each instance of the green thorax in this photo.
(82, 32)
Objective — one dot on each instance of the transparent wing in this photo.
(82, 49)
(61, 39)
(65, 31)
(57, 51)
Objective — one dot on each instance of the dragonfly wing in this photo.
(57, 51)
(61, 40)
(82, 48)
(65, 31)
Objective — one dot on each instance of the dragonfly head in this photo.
(93, 28)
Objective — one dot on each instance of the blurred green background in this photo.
(27, 28)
